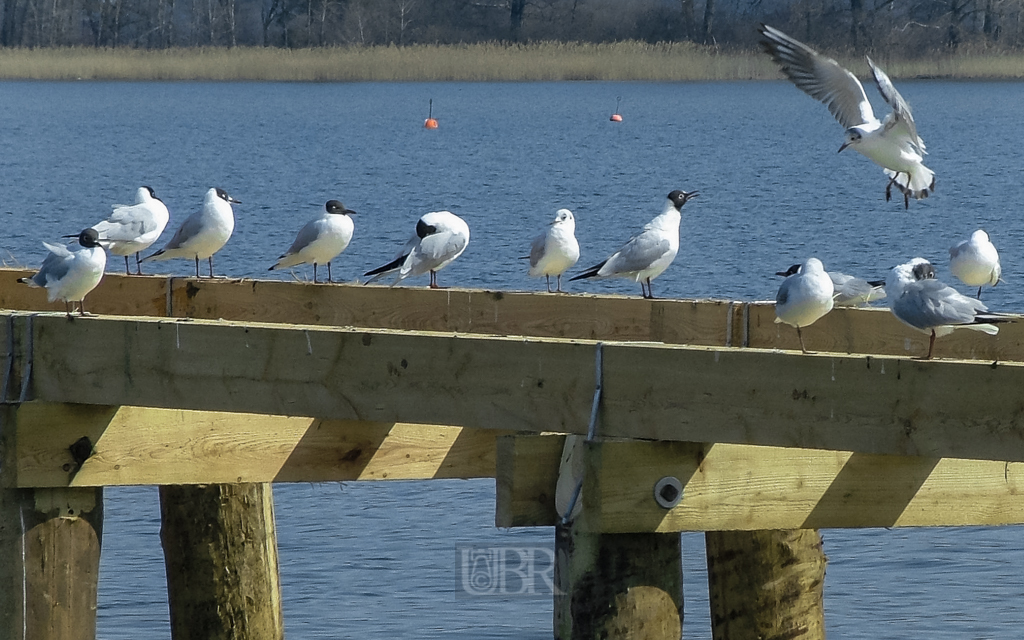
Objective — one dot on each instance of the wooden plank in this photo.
(138, 445)
(877, 331)
(727, 487)
(526, 474)
(116, 295)
(583, 316)
(737, 487)
(658, 392)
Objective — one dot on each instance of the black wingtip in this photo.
(589, 273)
(394, 264)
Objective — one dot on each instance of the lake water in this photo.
(382, 560)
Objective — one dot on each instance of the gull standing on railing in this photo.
(203, 233)
(975, 261)
(555, 250)
(850, 291)
(892, 144)
(804, 297)
(440, 238)
(320, 240)
(133, 228)
(648, 253)
(68, 274)
(920, 301)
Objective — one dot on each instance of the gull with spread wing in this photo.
(892, 143)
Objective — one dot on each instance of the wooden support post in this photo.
(766, 585)
(621, 585)
(49, 562)
(220, 550)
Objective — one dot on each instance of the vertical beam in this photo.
(49, 552)
(621, 585)
(766, 585)
(220, 550)
(49, 562)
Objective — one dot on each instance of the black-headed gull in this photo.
(203, 233)
(68, 274)
(804, 297)
(320, 240)
(920, 301)
(975, 261)
(850, 291)
(648, 253)
(892, 143)
(555, 250)
(133, 228)
(440, 238)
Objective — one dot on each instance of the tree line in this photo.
(899, 27)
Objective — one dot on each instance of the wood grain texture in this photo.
(220, 554)
(582, 316)
(766, 584)
(736, 487)
(139, 446)
(958, 409)
(626, 585)
(49, 563)
(526, 475)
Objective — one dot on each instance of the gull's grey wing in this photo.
(901, 115)
(537, 249)
(783, 295)
(307, 234)
(438, 247)
(189, 229)
(638, 254)
(820, 77)
(930, 303)
(849, 288)
(55, 266)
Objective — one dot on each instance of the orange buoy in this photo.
(615, 116)
(430, 122)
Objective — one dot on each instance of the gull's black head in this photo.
(790, 271)
(89, 238)
(423, 229)
(223, 195)
(923, 271)
(335, 206)
(679, 197)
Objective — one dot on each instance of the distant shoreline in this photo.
(541, 62)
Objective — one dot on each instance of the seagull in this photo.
(133, 228)
(648, 253)
(850, 291)
(203, 233)
(804, 297)
(892, 144)
(920, 301)
(69, 275)
(440, 238)
(975, 261)
(320, 240)
(555, 250)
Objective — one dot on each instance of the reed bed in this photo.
(629, 61)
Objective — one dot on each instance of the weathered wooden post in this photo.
(49, 553)
(766, 585)
(220, 550)
(621, 585)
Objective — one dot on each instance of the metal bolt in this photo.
(668, 492)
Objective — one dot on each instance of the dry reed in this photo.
(632, 61)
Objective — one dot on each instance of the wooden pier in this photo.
(214, 389)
